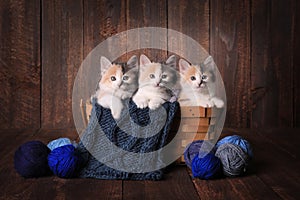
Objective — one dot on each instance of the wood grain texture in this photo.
(230, 48)
(61, 57)
(296, 64)
(254, 44)
(176, 185)
(20, 64)
(146, 14)
(92, 189)
(237, 188)
(190, 18)
(278, 168)
(102, 19)
(272, 67)
(285, 139)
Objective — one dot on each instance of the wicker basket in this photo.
(190, 118)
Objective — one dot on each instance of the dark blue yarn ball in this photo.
(237, 140)
(30, 159)
(197, 147)
(65, 161)
(208, 167)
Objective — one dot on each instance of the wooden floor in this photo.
(275, 173)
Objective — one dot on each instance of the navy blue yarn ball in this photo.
(208, 167)
(65, 161)
(197, 147)
(30, 159)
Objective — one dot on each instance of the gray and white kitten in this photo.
(195, 82)
(156, 82)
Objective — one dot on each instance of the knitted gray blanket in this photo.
(132, 120)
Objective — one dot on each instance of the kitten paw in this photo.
(126, 96)
(116, 108)
(218, 103)
(153, 105)
(140, 103)
(116, 114)
(206, 104)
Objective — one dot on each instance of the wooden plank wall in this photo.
(272, 62)
(20, 64)
(254, 45)
(230, 47)
(62, 54)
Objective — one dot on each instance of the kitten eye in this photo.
(164, 76)
(152, 76)
(125, 78)
(113, 78)
(193, 78)
(204, 77)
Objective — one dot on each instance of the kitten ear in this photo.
(144, 60)
(171, 61)
(209, 63)
(183, 65)
(132, 62)
(104, 65)
(209, 67)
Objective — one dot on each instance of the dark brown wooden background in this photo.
(255, 44)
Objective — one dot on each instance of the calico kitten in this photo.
(195, 80)
(117, 83)
(155, 82)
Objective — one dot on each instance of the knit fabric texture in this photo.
(102, 120)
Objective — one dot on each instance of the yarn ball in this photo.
(30, 159)
(234, 159)
(237, 140)
(65, 161)
(208, 167)
(58, 143)
(196, 147)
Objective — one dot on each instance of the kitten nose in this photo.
(200, 83)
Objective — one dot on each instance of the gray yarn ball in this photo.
(233, 158)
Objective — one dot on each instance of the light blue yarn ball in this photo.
(239, 141)
(58, 143)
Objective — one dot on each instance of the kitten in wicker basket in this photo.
(156, 82)
(118, 82)
(195, 80)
